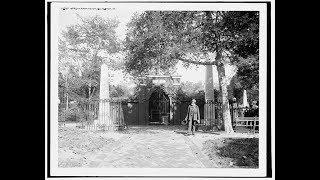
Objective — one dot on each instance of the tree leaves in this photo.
(160, 38)
(80, 49)
(248, 72)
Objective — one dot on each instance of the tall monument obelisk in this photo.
(209, 108)
(209, 90)
(104, 120)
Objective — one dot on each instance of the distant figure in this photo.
(193, 116)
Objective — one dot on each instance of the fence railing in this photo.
(209, 119)
(245, 117)
(244, 112)
(248, 122)
(87, 113)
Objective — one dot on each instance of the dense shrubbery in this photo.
(251, 113)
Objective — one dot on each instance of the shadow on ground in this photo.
(185, 132)
(230, 152)
(151, 129)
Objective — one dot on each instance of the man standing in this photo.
(193, 116)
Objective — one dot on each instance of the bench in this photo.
(251, 122)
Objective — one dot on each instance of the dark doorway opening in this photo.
(159, 107)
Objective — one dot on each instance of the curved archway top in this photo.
(154, 88)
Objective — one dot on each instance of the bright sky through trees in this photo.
(193, 74)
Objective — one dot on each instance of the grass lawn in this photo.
(233, 152)
(76, 146)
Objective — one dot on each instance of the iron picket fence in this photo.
(86, 115)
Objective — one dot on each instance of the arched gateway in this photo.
(159, 107)
(154, 103)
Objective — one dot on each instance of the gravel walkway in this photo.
(152, 147)
(136, 147)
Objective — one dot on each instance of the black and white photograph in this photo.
(158, 89)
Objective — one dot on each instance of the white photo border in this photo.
(52, 123)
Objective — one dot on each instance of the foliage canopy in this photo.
(158, 39)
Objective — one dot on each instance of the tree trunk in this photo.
(88, 97)
(67, 98)
(223, 86)
(88, 104)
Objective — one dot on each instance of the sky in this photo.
(192, 74)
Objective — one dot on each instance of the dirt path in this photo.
(152, 148)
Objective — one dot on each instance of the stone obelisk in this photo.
(209, 90)
(104, 120)
(245, 99)
(209, 108)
